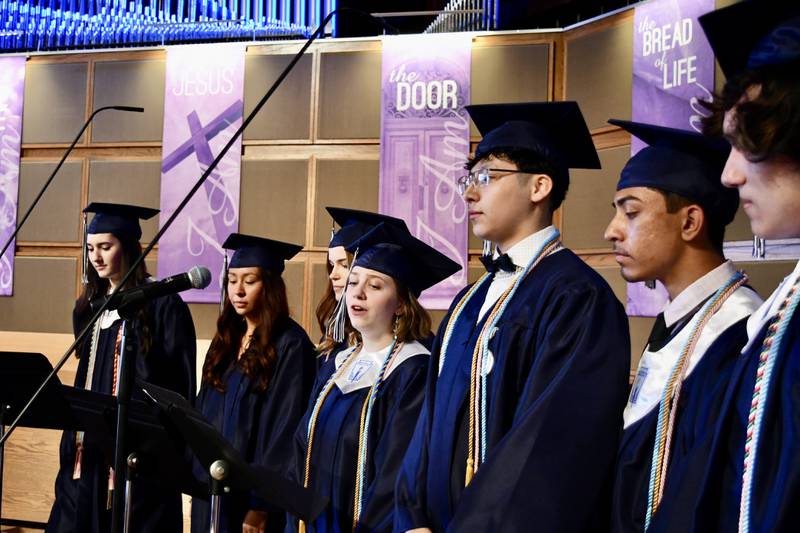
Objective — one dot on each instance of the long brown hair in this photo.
(413, 321)
(259, 359)
(97, 286)
(324, 312)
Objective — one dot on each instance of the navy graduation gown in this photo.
(80, 505)
(259, 424)
(698, 408)
(708, 499)
(333, 459)
(556, 392)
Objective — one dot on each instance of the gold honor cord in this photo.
(323, 395)
(668, 406)
(363, 437)
(476, 433)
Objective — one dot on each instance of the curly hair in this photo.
(259, 359)
(766, 125)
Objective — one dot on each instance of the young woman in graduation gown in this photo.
(748, 479)
(164, 339)
(257, 377)
(350, 443)
(353, 224)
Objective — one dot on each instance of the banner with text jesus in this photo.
(202, 109)
(425, 143)
(673, 69)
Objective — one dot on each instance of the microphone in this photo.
(60, 163)
(199, 277)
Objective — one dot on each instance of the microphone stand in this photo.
(119, 484)
(60, 163)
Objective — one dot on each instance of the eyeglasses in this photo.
(481, 178)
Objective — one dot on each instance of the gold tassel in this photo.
(301, 527)
(470, 471)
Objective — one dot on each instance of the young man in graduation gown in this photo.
(749, 481)
(669, 193)
(529, 369)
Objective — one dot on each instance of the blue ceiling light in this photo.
(38, 25)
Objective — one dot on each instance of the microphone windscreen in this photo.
(199, 277)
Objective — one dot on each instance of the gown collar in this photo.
(363, 371)
(697, 292)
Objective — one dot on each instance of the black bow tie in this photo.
(503, 262)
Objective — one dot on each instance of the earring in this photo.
(395, 325)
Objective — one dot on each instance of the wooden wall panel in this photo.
(599, 71)
(128, 182)
(350, 95)
(294, 277)
(506, 74)
(343, 184)
(587, 208)
(287, 115)
(319, 284)
(273, 199)
(55, 217)
(204, 317)
(739, 229)
(55, 102)
(44, 294)
(130, 83)
(765, 276)
(615, 281)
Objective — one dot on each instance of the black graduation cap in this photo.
(119, 219)
(556, 127)
(252, 251)
(753, 34)
(682, 162)
(354, 223)
(393, 251)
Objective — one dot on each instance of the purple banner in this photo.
(12, 89)
(202, 109)
(425, 143)
(673, 69)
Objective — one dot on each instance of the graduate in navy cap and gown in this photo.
(353, 437)
(353, 224)
(257, 377)
(749, 480)
(529, 371)
(164, 338)
(670, 193)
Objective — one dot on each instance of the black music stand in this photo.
(226, 467)
(21, 373)
(153, 450)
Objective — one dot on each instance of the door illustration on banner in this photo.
(425, 143)
(423, 188)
